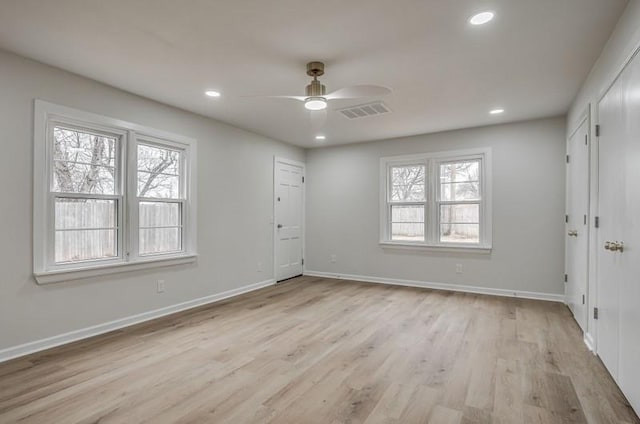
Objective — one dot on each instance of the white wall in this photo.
(528, 210)
(234, 231)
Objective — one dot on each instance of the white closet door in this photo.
(577, 237)
(611, 200)
(619, 210)
(629, 366)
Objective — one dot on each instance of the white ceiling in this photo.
(444, 73)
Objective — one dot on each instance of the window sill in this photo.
(435, 248)
(69, 274)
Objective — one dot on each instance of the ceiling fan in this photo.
(316, 97)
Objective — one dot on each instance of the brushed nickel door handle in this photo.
(572, 233)
(617, 247)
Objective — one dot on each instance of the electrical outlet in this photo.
(333, 259)
(160, 286)
(458, 268)
(259, 267)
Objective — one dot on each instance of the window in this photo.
(436, 200)
(108, 195)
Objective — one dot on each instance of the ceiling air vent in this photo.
(362, 111)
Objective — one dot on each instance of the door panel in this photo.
(288, 220)
(577, 237)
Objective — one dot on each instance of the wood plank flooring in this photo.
(315, 350)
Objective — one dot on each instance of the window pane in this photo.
(83, 162)
(82, 245)
(457, 172)
(460, 214)
(407, 183)
(84, 213)
(407, 232)
(158, 185)
(159, 214)
(160, 240)
(407, 222)
(459, 191)
(158, 172)
(460, 233)
(80, 146)
(409, 213)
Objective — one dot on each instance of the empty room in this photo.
(331, 212)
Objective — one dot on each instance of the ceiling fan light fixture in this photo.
(315, 103)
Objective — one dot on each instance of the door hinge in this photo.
(302, 179)
(566, 219)
(302, 261)
(583, 299)
(585, 220)
(597, 222)
(597, 130)
(567, 158)
(595, 313)
(586, 139)
(566, 278)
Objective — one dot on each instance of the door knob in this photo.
(279, 225)
(617, 247)
(572, 233)
(614, 246)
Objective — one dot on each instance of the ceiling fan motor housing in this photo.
(316, 89)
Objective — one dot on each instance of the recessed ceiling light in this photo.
(481, 18)
(321, 137)
(496, 111)
(212, 93)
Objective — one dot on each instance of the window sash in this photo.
(135, 200)
(135, 229)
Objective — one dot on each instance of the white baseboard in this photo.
(441, 286)
(588, 340)
(83, 333)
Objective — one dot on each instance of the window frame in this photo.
(432, 162)
(128, 136)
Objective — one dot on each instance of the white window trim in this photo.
(129, 134)
(430, 161)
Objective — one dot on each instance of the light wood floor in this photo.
(324, 351)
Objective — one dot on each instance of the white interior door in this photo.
(610, 201)
(289, 180)
(629, 258)
(577, 240)
(619, 209)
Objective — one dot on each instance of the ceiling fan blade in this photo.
(357, 91)
(300, 98)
